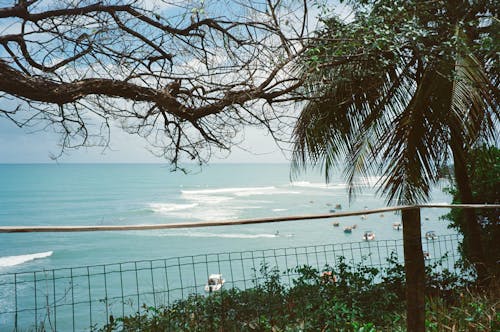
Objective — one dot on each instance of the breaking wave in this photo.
(20, 259)
(307, 184)
(169, 207)
(219, 235)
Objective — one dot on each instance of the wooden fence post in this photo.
(414, 270)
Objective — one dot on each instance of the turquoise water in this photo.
(119, 194)
(115, 194)
(83, 194)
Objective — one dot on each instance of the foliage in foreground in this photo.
(484, 166)
(361, 299)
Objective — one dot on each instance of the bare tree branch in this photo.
(184, 77)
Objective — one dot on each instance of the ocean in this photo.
(119, 194)
(129, 194)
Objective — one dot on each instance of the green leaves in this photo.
(361, 299)
(388, 88)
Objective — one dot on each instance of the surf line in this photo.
(20, 259)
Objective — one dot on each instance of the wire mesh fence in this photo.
(83, 298)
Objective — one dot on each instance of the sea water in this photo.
(132, 194)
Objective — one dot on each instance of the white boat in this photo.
(431, 235)
(214, 283)
(369, 236)
(397, 226)
(427, 255)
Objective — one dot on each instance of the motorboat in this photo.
(427, 255)
(335, 224)
(369, 236)
(354, 226)
(397, 226)
(431, 235)
(348, 230)
(214, 283)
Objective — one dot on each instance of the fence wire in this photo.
(82, 298)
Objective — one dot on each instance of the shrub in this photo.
(343, 298)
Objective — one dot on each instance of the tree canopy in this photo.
(398, 88)
(483, 164)
(185, 75)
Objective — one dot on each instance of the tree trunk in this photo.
(472, 234)
(414, 270)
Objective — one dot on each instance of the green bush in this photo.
(360, 299)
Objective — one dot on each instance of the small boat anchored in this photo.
(348, 230)
(214, 283)
(369, 236)
(397, 226)
(431, 235)
(336, 224)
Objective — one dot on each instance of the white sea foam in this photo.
(267, 192)
(307, 184)
(206, 214)
(370, 180)
(205, 199)
(247, 207)
(169, 207)
(235, 191)
(220, 235)
(20, 259)
(239, 192)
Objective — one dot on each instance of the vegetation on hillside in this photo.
(360, 299)
(484, 166)
(399, 90)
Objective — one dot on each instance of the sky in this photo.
(22, 145)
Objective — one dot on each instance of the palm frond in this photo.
(396, 115)
(474, 99)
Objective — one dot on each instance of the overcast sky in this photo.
(19, 145)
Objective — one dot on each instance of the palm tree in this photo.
(399, 90)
